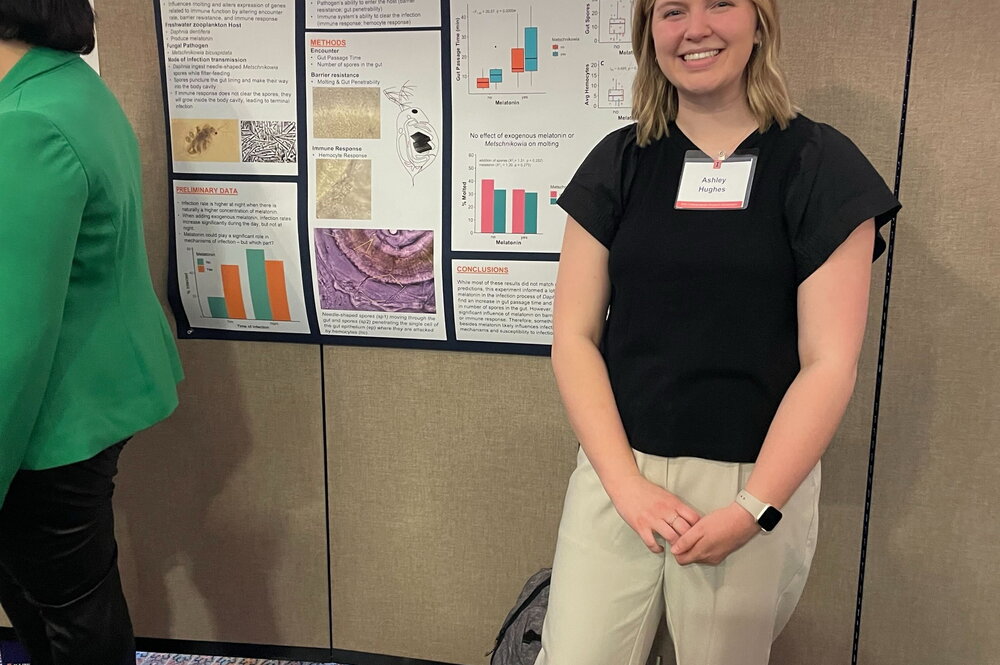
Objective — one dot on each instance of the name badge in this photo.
(707, 184)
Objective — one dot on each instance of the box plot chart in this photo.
(616, 21)
(502, 52)
(253, 288)
(614, 84)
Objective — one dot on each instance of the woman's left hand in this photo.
(715, 536)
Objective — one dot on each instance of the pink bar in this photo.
(486, 206)
(518, 225)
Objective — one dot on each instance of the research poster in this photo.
(381, 172)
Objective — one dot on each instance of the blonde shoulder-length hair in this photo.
(654, 98)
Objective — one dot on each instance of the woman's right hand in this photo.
(649, 510)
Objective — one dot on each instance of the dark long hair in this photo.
(66, 25)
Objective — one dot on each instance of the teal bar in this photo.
(257, 275)
(531, 43)
(531, 212)
(499, 211)
(531, 49)
(217, 306)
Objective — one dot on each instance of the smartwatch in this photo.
(766, 515)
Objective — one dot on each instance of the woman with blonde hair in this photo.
(709, 313)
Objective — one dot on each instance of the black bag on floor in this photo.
(520, 638)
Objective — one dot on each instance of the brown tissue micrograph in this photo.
(347, 113)
(343, 188)
(205, 139)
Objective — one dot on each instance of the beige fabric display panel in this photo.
(221, 509)
(447, 475)
(933, 573)
(829, 63)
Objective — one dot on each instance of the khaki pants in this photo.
(609, 591)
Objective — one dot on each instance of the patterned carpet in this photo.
(170, 659)
(11, 654)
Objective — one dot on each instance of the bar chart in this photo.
(495, 216)
(509, 204)
(238, 256)
(261, 278)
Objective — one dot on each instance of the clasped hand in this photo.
(651, 510)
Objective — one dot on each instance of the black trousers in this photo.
(59, 581)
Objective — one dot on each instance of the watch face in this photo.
(769, 518)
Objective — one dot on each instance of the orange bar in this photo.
(482, 83)
(517, 60)
(276, 292)
(233, 292)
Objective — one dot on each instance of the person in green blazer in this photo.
(86, 356)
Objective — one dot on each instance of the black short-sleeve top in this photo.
(701, 340)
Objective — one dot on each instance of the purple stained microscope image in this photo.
(375, 270)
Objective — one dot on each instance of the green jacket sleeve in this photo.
(43, 193)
